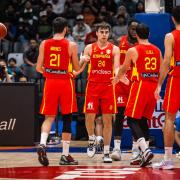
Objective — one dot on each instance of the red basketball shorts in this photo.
(122, 94)
(58, 92)
(100, 95)
(141, 101)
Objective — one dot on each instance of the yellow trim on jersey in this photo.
(135, 73)
(135, 103)
(44, 95)
(84, 109)
(70, 68)
(172, 64)
(72, 90)
(169, 94)
(172, 61)
(115, 104)
(89, 68)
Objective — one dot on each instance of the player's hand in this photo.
(125, 80)
(115, 80)
(157, 92)
(84, 58)
(75, 73)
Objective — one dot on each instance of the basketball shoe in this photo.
(42, 157)
(91, 149)
(136, 157)
(147, 155)
(67, 160)
(100, 146)
(168, 164)
(107, 158)
(116, 155)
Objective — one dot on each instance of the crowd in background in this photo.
(31, 20)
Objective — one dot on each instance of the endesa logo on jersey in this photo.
(101, 71)
(158, 118)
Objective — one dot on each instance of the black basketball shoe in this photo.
(42, 157)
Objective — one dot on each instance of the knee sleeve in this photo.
(67, 118)
(143, 123)
(118, 124)
(134, 126)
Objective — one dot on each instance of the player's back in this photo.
(57, 61)
(148, 63)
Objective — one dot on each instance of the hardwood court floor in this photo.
(24, 165)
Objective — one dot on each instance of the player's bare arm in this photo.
(158, 89)
(164, 69)
(168, 43)
(82, 62)
(40, 61)
(131, 56)
(74, 56)
(86, 55)
(116, 54)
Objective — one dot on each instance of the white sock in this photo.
(44, 137)
(117, 144)
(92, 137)
(99, 138)
(106, 149)
(142, 144)
(135, 145)
(168, 153)
(65, 148)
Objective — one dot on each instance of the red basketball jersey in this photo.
(124, 46)
(148, 63)
(101, 64)
(175, 61)
(57, 62)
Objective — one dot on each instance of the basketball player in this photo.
(122, 90)
(146, 59)
(104, 61)
(171, 103)
(55, 61)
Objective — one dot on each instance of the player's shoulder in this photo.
(115, 47)
(72, 44)
(89, 46)
(132, 49)
(42, 43)
(169, 35)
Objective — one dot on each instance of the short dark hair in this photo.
(133, 21)
(103, 25)
(142, 31)
(59, 24)
(48, 4)
(176, 14)
(12, 60)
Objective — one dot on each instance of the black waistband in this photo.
(55, 71)
(177, 63)
(149, 75)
